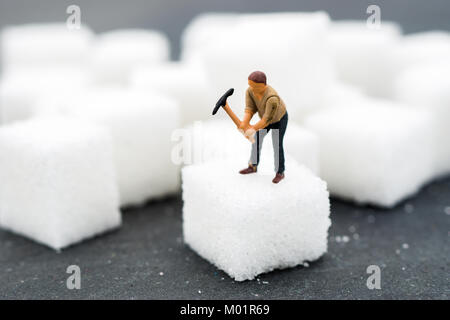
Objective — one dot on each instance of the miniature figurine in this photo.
(262, 99)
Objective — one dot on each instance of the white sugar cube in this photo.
(293, 53)
(219, 139)
(246, 225)
(422, 47)
(21, 89)
(374, 151)
(185, 83)
(203, 30)
(426, 86)
(44, 44)
(364, 56)
(302, 145)
(141, 124)
(341, 93)
(116, 53)
(58, 181)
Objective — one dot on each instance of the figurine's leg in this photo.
(257, 146)
(277, 142)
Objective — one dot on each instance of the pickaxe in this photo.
(224, 104)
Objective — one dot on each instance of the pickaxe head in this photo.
(223, 100)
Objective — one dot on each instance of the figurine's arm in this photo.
(246, 120)
(261, 124)
(271, 108)
(251, 130)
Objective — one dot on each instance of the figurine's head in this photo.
(257, 81)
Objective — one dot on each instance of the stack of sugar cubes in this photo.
(363, 116)
(369, 119)
(423, 82)
(77, 140)
(384, 127)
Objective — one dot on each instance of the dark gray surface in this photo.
(126, 264)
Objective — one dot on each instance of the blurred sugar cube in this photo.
(293, 53)
(374, 151)
(203, 30)
(116, 53)
(141, 124)
(43, 45)
(184, 82)
(58, 181)
(41, 60)
(339, 94)
(303, 145)
(365, 57)
(422, 47)
(23, 88)
(246, 225)
(426, 86)
(216, 140)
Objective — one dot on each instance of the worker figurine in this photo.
(263, 99)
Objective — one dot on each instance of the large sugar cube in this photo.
(58, 184)
(185, 83)
(219, 139)
(374, 151)
(141, 124)
(293, 53)
(45, 44)
(116, 53)
(426, 86)
(246, 225)
(364, 56)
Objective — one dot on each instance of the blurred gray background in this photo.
(171, 16)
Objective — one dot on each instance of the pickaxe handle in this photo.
(224, 104)
(232, 115)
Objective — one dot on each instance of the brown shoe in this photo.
(278, 177)
(250, 169)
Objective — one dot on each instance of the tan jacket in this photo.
(270, 108)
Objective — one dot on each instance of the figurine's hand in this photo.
(243, 126)
(250, 133)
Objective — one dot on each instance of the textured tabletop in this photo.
(147, 259)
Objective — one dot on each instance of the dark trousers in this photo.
(278, 131)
